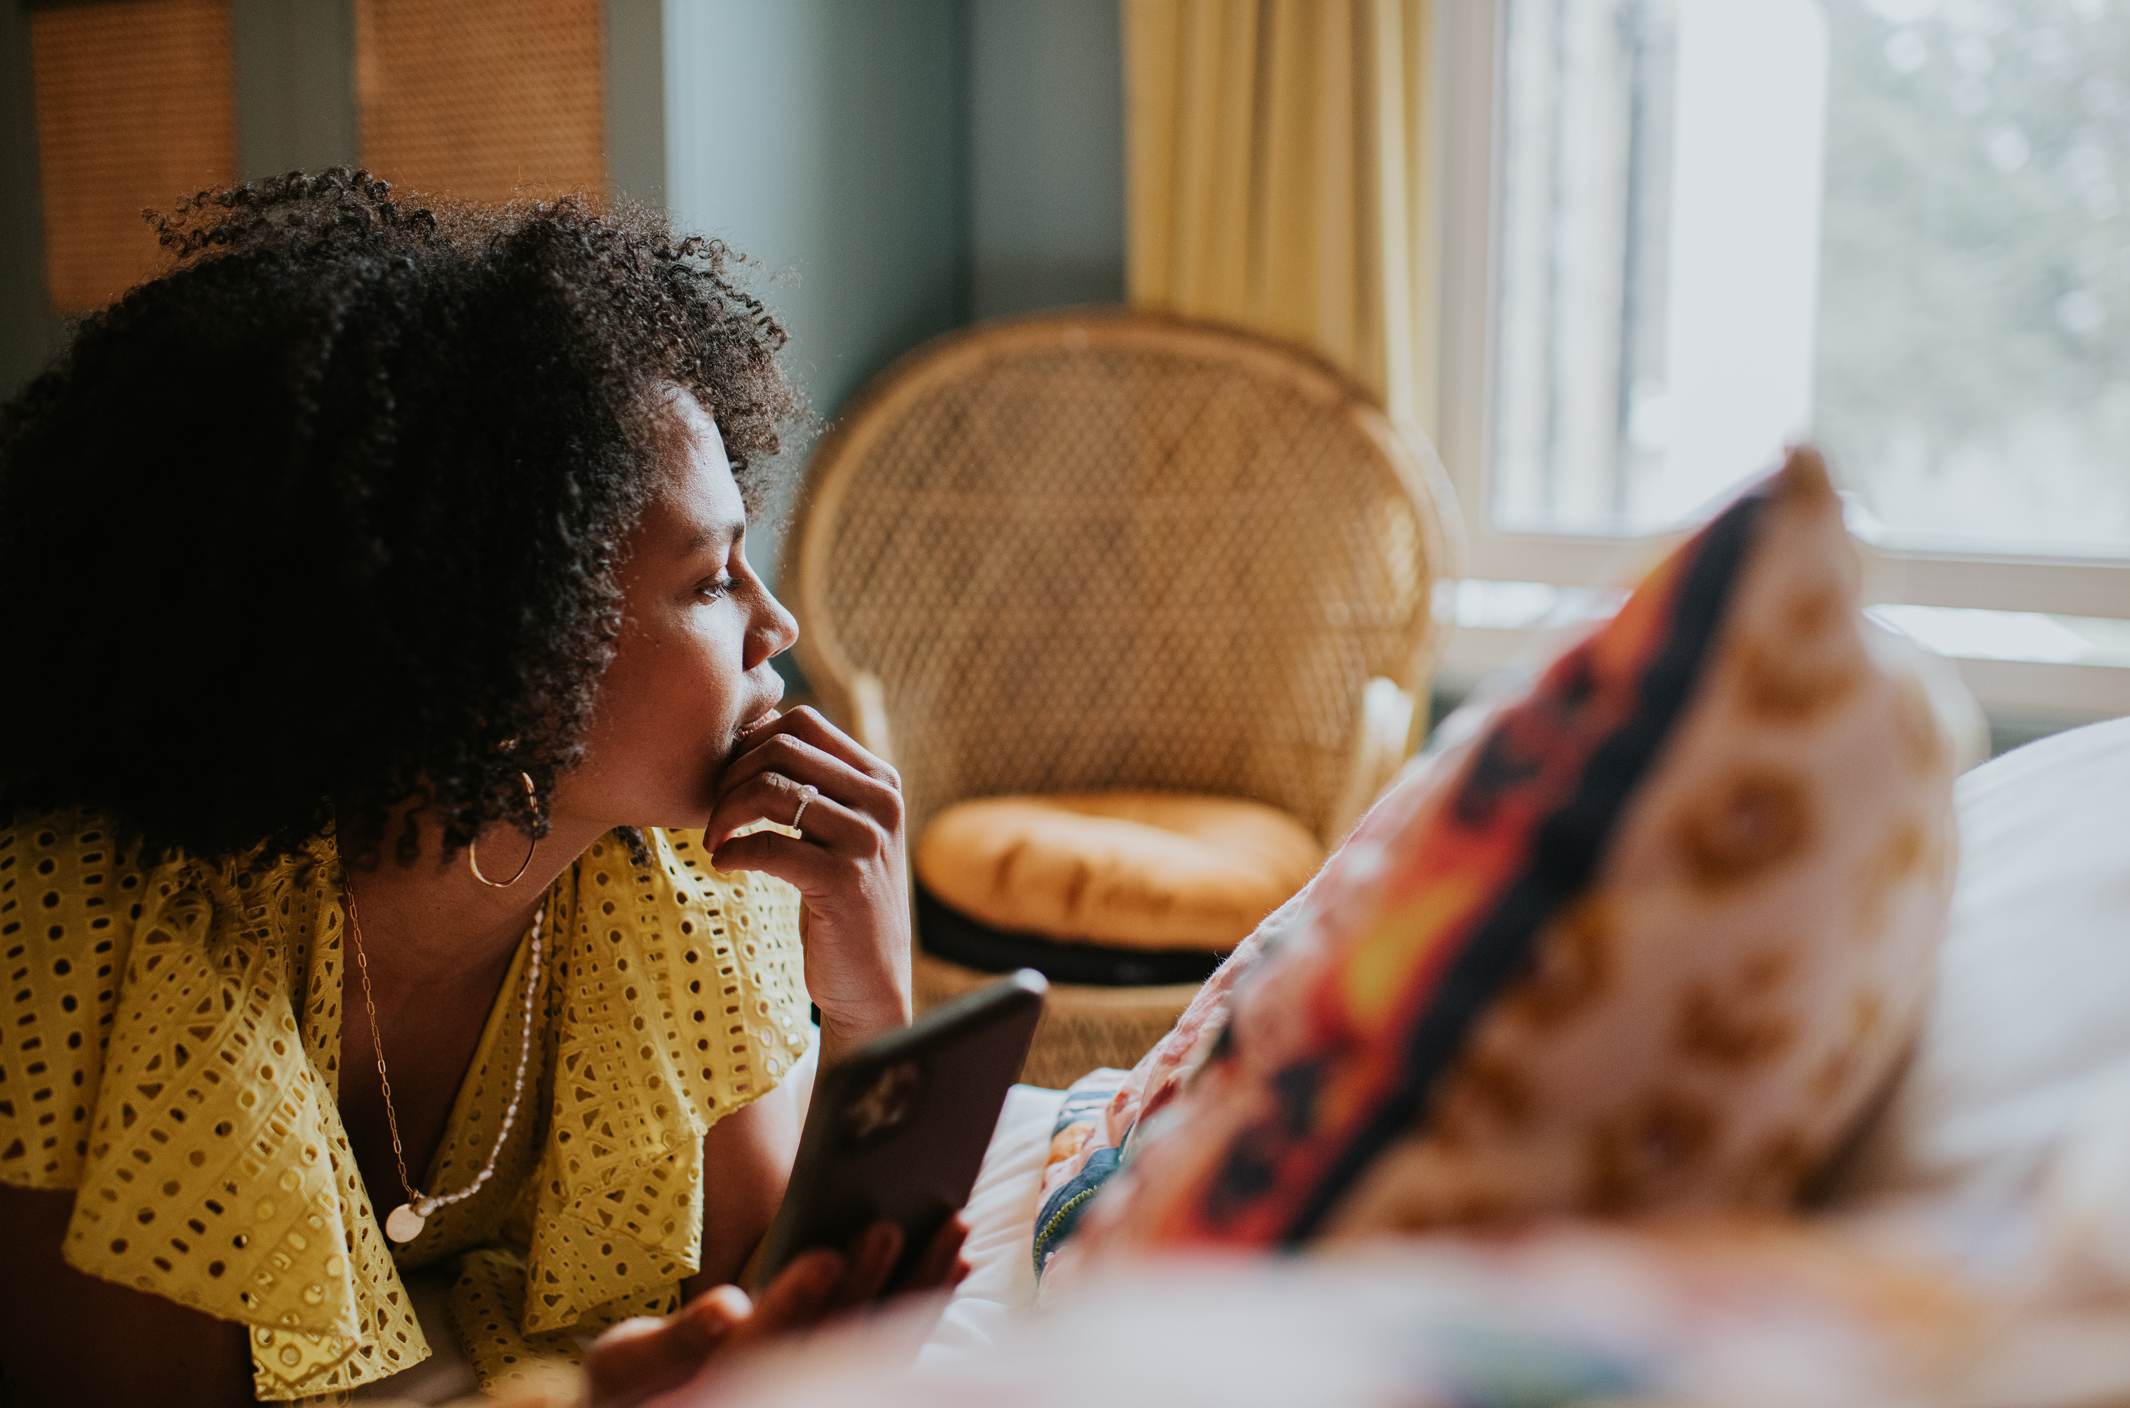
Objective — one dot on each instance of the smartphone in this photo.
(897, 1130)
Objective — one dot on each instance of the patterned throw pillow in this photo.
(1650, 936)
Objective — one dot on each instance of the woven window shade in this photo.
(134, 110)
(482, 101)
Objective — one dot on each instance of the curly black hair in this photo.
(317, 521)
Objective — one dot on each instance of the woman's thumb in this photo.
(650, 1354)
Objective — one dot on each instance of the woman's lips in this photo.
(761, 720)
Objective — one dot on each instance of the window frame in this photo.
(1468, 94)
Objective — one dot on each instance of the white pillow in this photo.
(2027, 1036)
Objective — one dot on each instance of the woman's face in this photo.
(692, 663)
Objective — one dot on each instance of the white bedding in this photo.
(1001, 1217)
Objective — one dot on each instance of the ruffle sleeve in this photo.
(170, 1042)
(156, 1066)
(684, 999)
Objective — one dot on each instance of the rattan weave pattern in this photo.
(1101, 549)
(1082, 1029)
(135, 109)
(483, 101)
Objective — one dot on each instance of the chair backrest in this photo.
(1106, 549)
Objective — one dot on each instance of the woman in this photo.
(390, 702)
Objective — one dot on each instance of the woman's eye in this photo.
(711, 591)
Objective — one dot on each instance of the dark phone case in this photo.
(898, 1130)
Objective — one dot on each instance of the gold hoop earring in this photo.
(473, 862)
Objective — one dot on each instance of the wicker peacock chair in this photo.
(1102, 549)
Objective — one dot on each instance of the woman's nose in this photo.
(776, 631)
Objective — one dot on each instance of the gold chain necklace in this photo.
(407, 1220)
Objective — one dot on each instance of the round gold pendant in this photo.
(405, 1224)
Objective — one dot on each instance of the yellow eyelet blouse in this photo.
(170, 1050)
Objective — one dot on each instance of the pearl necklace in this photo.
(407, 1220)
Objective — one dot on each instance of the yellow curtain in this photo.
(1278, 176)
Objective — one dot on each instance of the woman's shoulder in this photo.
(64, 873)
(73, 881)
(70, 897)
(103, 944)
(666, 941)
(158, 1061)
(673, 883)
(681, 998)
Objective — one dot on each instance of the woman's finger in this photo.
(935, 1265)
(772, 796)
(798, 1297)
(872, 1262)
(796, 758)
(810, 869)
(922, 1297)
(810, 725)
(650, 1354)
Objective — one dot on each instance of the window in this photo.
(1682, 232)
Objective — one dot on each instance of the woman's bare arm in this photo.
(746, 1165)
(68, 1337)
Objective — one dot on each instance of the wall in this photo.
(1046, 154)
(29, 333)
(823, 140)
(898, 168)
(910, 166)
(295, 81)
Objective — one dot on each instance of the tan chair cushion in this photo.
(1138, 869)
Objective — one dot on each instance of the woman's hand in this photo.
(847, 863)
(652, 1354)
